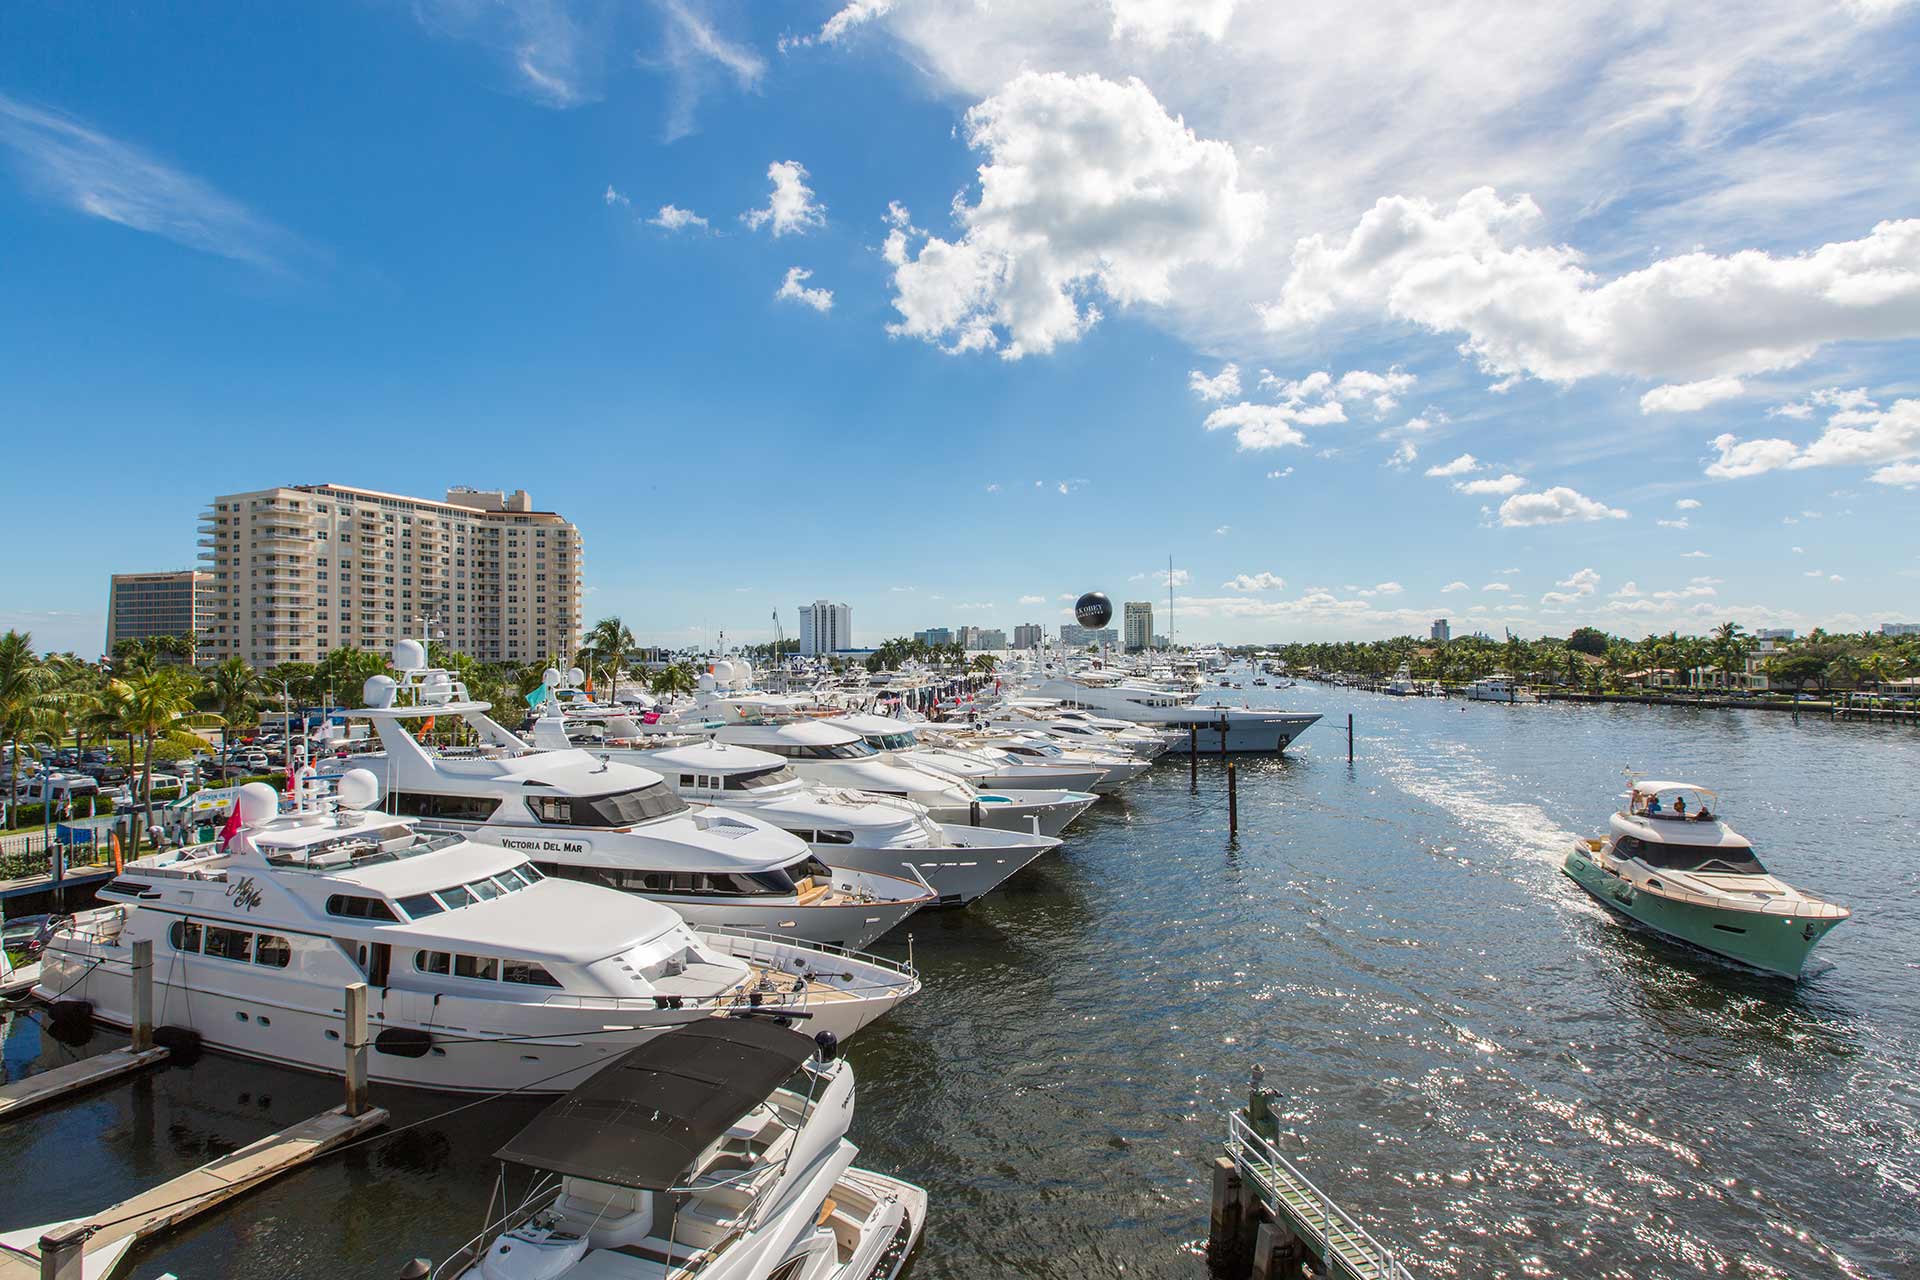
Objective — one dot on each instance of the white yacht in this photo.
(484, 974)
(586, 817)
(835, 757)
(1402, 685)
(1113, 767)
(1499, 687)
(719, 1149)
(885, 835)
(902, 742)
(1220, 728)
(1074, 726)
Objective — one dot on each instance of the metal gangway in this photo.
(1342, 1246)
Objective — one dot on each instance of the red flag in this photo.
(228, 831)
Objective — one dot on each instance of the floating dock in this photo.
(1268, 1219)
(61, 1082)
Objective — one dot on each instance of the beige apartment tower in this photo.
(302, 569)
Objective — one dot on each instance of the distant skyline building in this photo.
(1137, 624)
(1073, 635)
(989, 638)
(825, 627)
(300, 570)
(142, 606)
(1900, 628)
(1440, 630)
(935, 636)
(1774, 633)
(1029, 635)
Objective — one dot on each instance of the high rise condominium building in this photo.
(1137, 625)
(825, 627)
(302, 569)
(1028, 635)
(1440, 630)
(142, 606)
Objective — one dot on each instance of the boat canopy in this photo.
(642, 1121)
(1661, 788)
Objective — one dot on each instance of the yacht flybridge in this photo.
(1670, 863)
(1220, 728)
(885, 835)
(590, 818)
(718, 1150)
(484, 973)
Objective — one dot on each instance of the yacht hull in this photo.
(852, 925)
(1044, 813)
(1244, 732)
(974, 862)
(1771, 943)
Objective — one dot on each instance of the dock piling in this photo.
(1193, 756)
(63, 1251)
(1233, 801)
(142, 995)
(356, 1042)
(1349, 737)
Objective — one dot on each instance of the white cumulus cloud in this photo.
(791, 208)
(1853, 437)
(1557, 505)
(674, 218)
(1508, 483)
(1219, 387)
(1254, 582)
(1455, 585)
(1465, 464)
(794, 289)
(1089, 189)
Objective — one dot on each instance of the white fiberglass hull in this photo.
(1044, 813)
(848, 924)
(974, 861)
(1245, 731)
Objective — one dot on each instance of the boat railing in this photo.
(765, 948)
(470, 1253)
(1336, 1235)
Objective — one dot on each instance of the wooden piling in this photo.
(1223, 1223)
(356, 1048)
(1193, 756)
(63, 1251)
(1277, 1252)
(1233, 801)
(142, 996)
(1349, 737)
(1223, 737)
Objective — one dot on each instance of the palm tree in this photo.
(675, 678)
(235, 690)
(608, 639)
(25, 679)
(985, 663)
(157, 706)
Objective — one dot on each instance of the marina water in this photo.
(1493, 1075)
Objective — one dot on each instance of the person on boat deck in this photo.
(1653, 805)
(1680, 806)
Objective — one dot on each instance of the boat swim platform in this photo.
(105, 1238)
(1268, 1217)
(61, 1082)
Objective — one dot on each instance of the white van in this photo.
(59, 786)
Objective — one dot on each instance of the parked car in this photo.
(25, 937)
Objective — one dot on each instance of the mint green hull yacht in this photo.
(1669, 864)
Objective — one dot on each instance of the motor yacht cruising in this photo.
(1674, 866)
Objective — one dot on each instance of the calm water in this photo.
(1486, 1069)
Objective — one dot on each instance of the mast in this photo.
(1169, 609)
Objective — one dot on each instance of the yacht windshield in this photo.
(834, 751)
(891, 741)
(763, 778)
(617, 809)
(1712, 859)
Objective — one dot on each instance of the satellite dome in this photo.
(1093, 610)
(378, 691)
(409, 655)
(576, 677)
(550, 677)
(259, 803)
(438, 689)
(357, 789)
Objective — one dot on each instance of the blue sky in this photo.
(1526, 319)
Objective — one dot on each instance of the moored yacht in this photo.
(483, 973)
(821, 752)
(719, 1150)
(1499, 687)
(902, 742)
(1678, 869)
(586, 817)
(1220, 728)
(886, 835)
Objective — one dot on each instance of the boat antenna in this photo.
(1169, 606)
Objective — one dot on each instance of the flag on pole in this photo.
(116, 851)
(228, 829)
(538, 696)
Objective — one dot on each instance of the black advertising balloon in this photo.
(1093, 610)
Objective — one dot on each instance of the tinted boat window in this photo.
(763, 778)
(1693, 857)
(619, 809)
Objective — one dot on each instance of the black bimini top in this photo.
(643, 1119)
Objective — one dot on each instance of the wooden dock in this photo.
(50, 1086)
(105, 1237)
(1267, 1217)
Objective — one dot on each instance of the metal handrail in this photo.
(1244, 1141)
(902, 967)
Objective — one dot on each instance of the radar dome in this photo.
(378, 691)
(550, 677)
(576, 677)
(409, 655)
(438, 689)
(1093, 610)
(259, 803)
(357, 789)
